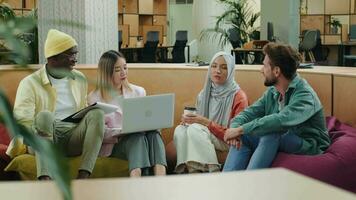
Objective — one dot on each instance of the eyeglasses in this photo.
(71, 55)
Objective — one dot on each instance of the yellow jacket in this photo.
(34, 94)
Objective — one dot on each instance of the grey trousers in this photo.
(142, 150)
(83, 138)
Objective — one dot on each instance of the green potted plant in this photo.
(6, 13)
(335, 25)
(29, 38)
(237, 22)
(11, 28)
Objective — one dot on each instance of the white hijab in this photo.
(215, 101)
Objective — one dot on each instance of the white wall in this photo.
(203, 17)
(204, 12)
(180, 18)
(285, 19)
(101, 20)
(256, 7)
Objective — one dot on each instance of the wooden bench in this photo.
(335, 86)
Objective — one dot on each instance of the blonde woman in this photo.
(219, 101)
(143, 150)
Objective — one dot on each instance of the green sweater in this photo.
(302, 114)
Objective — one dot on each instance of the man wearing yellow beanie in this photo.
(51, 94)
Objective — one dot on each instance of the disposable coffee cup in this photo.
(190, 110)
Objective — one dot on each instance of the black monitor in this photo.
(352, 34)
(120, 39)
(270, 34)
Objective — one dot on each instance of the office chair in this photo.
(179, 46)
(308, 44)
(320, 52)
(148, 54)
(349, 60)
(233, 36)
(120, 39)
(270, 32)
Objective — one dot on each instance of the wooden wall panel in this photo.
(125, 35)
(322, 85)
(133, 41)
(344, 33)
(252, 83)
(121, 20)
(145, 7)
(315, 7)
(146, 20)
(132, 21)
(15, 3)
(161, 20)
(160, 7)
(344, 98)
(177, 79)
(30, 4)
(131, 6)
(10, 79)
(337, 7)
(312, 22)
(185, 97)
(140, 13)
(145, 29)
(352, 19)
(120, 6)
(332, 39)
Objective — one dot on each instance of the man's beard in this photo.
(270, 82)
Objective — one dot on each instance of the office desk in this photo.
(243, 55)
(343, 49)
(132, 53)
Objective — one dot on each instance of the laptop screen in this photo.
(147, 113)
(353, 32)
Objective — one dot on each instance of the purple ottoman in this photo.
(336, 166)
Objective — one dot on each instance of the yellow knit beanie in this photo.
(57, 42)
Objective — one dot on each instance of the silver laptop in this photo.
(147, 113)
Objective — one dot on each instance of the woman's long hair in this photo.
(106, 69)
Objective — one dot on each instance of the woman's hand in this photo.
(235, 142)
(233, 133)
(195, 118)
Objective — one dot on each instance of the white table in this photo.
(273, 184)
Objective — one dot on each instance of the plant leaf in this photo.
(57, 164)
(238, 15)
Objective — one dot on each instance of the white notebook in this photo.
(76, 117)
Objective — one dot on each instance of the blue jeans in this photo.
(259, 152)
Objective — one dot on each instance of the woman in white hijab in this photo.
(200, 134)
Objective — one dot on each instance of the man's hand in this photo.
(233, 133)
(233, 136)
(195, 118)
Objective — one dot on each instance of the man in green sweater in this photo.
(288, 117)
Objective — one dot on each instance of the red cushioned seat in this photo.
(4, 141)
